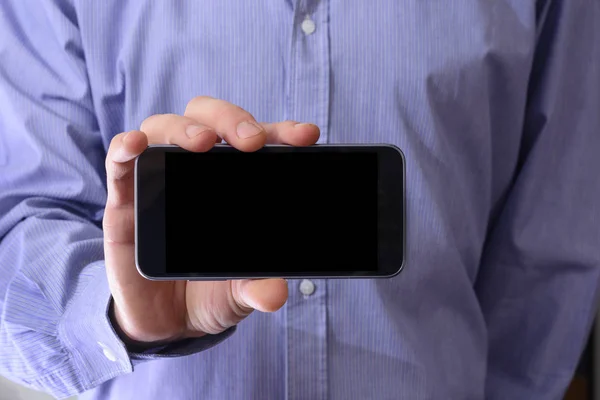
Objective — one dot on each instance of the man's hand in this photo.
(150, 311)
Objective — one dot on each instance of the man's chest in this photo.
(444, 81)
(335, 63)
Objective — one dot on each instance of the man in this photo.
(494, 103)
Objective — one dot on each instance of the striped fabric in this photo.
(495, 104)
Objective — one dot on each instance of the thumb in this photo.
(266, 295)
(214, 306)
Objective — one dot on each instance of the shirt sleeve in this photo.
(55, 332)
(538, 284)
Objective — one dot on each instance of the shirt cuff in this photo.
(141, 352)
(97, 352)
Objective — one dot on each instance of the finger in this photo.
(215, 306)
(266, 295)
(179, 130)
(292, 133)
(118, 220)
(123, 150)
(235, 125)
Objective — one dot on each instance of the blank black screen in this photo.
(297, 213)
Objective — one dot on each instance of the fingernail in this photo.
(302, 124)
(246, 130)
(194, 130)
(122, 155)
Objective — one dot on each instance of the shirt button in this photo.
(107, 352)
(307, 287)
(308, 26)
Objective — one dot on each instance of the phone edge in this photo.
(188, 278)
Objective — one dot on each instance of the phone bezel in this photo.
(152, 255)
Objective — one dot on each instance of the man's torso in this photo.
(444, 81)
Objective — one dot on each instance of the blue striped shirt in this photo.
(495, 103)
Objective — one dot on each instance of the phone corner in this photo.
(396, 148)
(141, 271)
(398, 271)
(138, 267)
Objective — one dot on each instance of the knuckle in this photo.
(220, 113)
(115, 171)
(159, 127)
(196, 102)
(228, 115)
(217, 112)
(116, 141)
(115, 144)
(118, 225)
(147, 124)
(286, 126)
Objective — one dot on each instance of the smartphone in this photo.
(322, 211)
